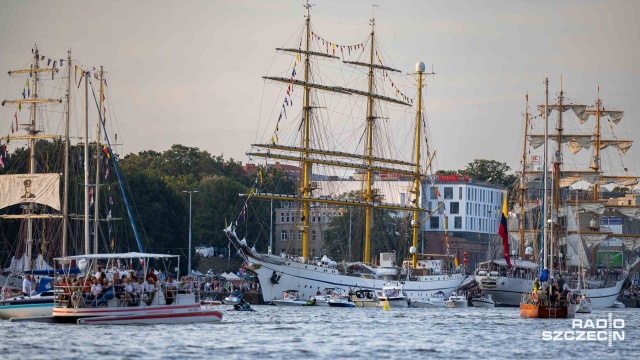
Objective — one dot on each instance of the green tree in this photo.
(489, 171)
(620, 189)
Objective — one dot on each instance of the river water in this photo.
(327, 333)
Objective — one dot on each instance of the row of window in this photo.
(291, 235)
(472, 224)
(323, 217)
(473, 194)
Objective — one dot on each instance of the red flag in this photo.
(16, 117)
(504, 232)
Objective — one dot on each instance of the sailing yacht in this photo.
(424, 275)
(566, 244)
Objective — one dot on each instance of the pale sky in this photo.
(189, 72)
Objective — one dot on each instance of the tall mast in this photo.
(368, 195)
(546, 174)
(523, 181)
(65, 200)
(557, 160)
(415, 223)
(595, 163)
(96, 216)
(87, 244)
(32, 155)
(306, 166)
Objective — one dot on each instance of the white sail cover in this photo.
(632, 212)
(24, 188)
(575, 142)
(631, 242)
(594, 239)
(528, 237)
(18, 266)
(626, 181)
(576, 255)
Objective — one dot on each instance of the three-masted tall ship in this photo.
(564, 244)
(423, 275)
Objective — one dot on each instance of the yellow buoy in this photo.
(386, 305)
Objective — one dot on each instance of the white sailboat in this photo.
(425, 274)
(507, 285)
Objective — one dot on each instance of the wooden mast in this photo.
(306, 166)
(65, 200)
(87, 244)
(595, 163)
(415, 223)
(368, 194)
(32, 155)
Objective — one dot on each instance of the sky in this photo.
(190, 72)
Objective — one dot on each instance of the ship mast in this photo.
(368, 194)
(523, 182)
(544, 168)
(87, 244)
(32, 136)
(306, 166)
(65, 200)
(96, 216)
(595, 163)
(415, 223)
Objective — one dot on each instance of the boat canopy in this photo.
(524, 264)
(129, 255)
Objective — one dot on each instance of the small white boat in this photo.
(437, 300)
(233, 298)
(22, 306)
(160, 318)
(364, 298)
(340, 299)
(584, 306)
(210, 301)
(457, 301)
(483, 301)
(322, 299)
(393, 294)
(290, 298)
(618, 305)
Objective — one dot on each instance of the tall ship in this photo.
(319, 146)
(576, 256)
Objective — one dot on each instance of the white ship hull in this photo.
(279, 275)
(508, 291)
(26, 310)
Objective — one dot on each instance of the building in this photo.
(472, 210)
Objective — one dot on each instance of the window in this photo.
(314, 217)
(433, 192)
(281, 217)
(313, 235)
(448, 192)
(460, 193)
(287, 217)
(283, 235)
(457, 222)
(441, 210)
(434, 222)
(454, 207)
(299, 235)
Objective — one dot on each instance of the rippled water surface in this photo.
(322, 332)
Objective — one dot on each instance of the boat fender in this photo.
(275, 278)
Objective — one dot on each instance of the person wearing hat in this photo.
(27, 190)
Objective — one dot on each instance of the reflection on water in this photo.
(323, 332)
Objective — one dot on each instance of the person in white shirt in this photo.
(96, 290)
(129, 295)
(149, 290)
(99, 272)
(171, 289)
(26, 286)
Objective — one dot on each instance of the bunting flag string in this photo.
(334, 46)
(288, 101)
(386, 77)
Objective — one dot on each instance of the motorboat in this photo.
(364, 298)
(23, 306)
(322, 299)
(210, 301)
(290, 298)
(393, 294)
(457, 301)
(340, 299)
(242, 306)
(436, 300)
(618, 305)
(483, 301)
(233, 298)
(161, 307)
